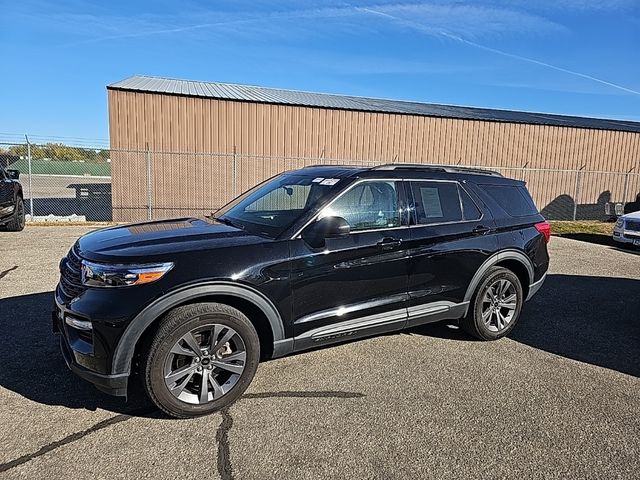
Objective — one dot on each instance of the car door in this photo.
(452, 234)
(6, 194)
(355, 285)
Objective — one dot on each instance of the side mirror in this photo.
(13, 174)
(327, 227)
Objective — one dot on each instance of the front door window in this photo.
(368, 206)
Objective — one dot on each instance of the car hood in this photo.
(151, 241)
(632, 215)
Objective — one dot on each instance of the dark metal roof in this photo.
(246, 93)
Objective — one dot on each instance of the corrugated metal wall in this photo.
(170, 123)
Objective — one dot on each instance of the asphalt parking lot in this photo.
(560, 398)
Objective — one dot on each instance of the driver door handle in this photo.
(389, 243)
(481, 230)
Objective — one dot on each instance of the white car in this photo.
(627, 229)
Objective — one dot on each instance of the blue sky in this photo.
(563, 56)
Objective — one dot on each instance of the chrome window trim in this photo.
(407, 180)
(352, 186)
(422, 225)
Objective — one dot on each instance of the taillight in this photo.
(545, 229)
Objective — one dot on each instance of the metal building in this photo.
(168, 135)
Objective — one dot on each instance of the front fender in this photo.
(124, 351)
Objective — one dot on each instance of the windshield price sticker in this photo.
(316, 180)
(329, 181)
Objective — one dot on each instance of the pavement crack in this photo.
(222, 437)
(302, 394)
(4, 273)
(225, 470)
(74, 437)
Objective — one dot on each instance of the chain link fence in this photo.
(60, 180)
(99, 184)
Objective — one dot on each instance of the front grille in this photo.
(633, 225)
(70, 285)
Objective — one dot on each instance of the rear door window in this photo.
(436, 202)
(514, 199)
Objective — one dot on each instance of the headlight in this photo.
(101, 275)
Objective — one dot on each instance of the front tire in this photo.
(496, 305)
(201, 359)
(16, 224)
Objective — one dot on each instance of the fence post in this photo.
(626, 185)
(30, 184)
(234, 173)
(147, 155)
(576, 195)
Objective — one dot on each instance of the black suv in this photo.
(306, 259)
(11, 201)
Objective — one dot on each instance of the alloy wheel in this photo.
(205, 364)
(499, 305)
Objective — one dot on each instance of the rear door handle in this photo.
(481, 230)
(388, 243)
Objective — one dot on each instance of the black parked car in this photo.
(305, 259)
(11, 201)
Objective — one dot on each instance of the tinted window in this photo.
(470, 210)
(515, 200)
(367, 206)
(436, 202)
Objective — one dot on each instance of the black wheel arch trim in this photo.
(494, 259)
(125, 349)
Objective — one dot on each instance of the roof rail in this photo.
(334, 165)
(438, 168)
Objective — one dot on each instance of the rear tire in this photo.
(16, 224)
(495, 306)
(201, 359)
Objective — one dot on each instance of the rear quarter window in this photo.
(514, 199)
(470, 210)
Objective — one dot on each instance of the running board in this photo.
(376, 325)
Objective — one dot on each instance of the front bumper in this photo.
(626, 236)
(79, 355)
(111, 384)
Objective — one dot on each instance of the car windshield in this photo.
(274, 206)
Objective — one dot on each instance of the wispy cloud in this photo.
(573, 5)
(474, 21)
(547, 65)
(465, 23)
(430, 29)
(156, 26)
(471, 20)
